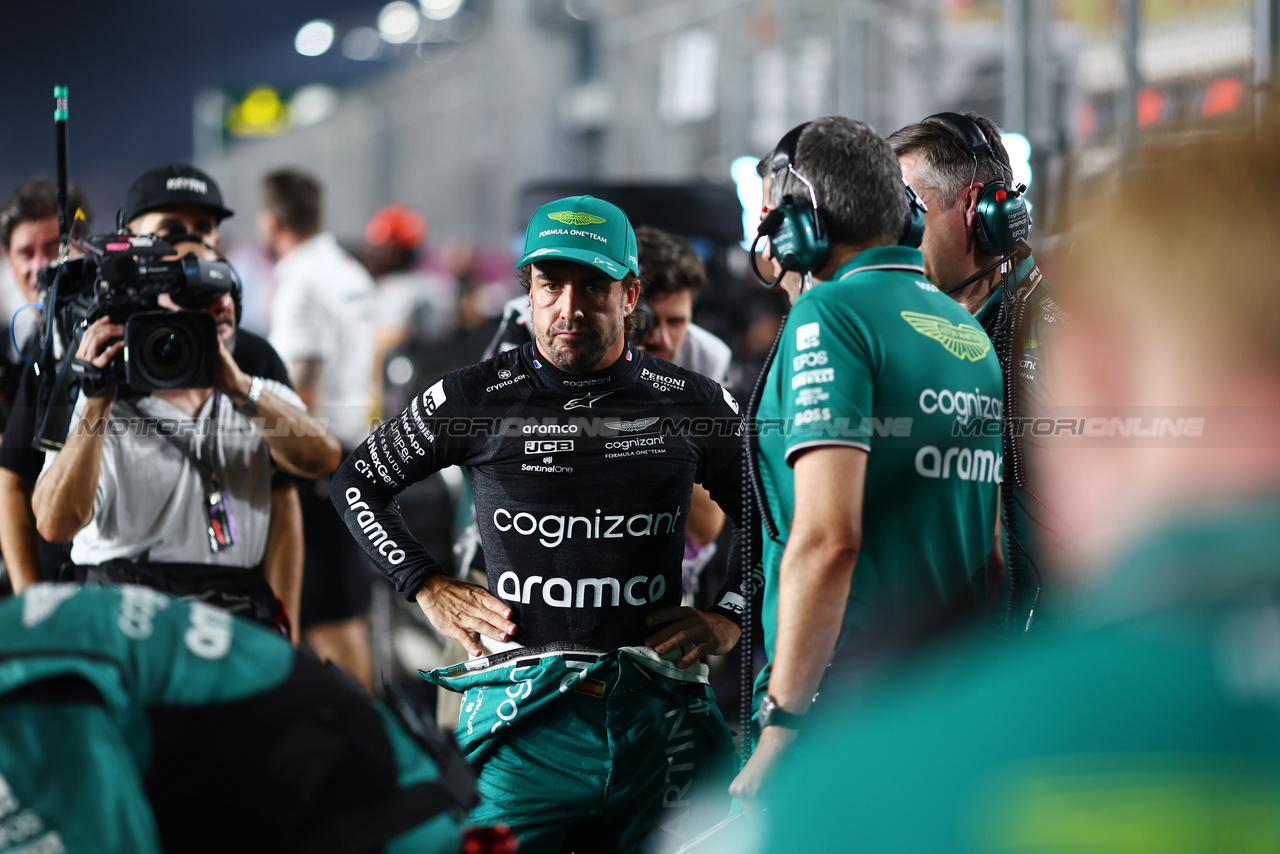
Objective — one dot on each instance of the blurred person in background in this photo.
(410, 301)
(31, 241)
(974, 250)
(322, 325)
(1157, 698)
(215, 519)
(671, 275)
(411, 305)
(868, 533)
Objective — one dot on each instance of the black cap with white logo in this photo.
(175, 184)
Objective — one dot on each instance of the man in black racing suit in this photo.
(586, 704)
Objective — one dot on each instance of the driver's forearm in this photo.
(18, 538)
(64, 494)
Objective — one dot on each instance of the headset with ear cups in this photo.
(795, 229)
(797, 235)
(1003, 218)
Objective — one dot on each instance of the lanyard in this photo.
(222, 529)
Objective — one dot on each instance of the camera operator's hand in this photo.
(97, 348)
(232, 381)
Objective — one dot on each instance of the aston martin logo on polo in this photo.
(575, 218)
(632, 426)
(965, 342)
(586, 401)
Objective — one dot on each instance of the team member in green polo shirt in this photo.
(974, 250)
(878, 428)
(1159, 703)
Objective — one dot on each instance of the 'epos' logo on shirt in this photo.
(808, 336)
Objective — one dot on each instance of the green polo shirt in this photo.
(1157, 711)
(880, 360)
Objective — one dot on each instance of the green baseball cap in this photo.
(584, 229)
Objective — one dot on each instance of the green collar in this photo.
(882, 258)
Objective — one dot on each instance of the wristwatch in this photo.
(250, 405)
(771, 714)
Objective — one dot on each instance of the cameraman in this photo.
(29, 235)
(136, 503)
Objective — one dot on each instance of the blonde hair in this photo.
(1190, 238)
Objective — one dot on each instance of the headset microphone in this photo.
(767, 225)
(978, 275)
(797, 235)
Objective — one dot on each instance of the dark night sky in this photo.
(133, 69)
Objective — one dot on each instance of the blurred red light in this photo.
(1223, 96)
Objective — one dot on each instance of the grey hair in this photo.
(855, 177)
(946, 164)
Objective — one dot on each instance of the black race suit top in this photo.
(581, 485)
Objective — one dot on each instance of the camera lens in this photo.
(167, 352)
(171, 349)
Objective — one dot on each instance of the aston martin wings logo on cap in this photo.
(575, 218)
(965, 342)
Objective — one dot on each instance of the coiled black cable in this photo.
(755, 510)
(1008, 339)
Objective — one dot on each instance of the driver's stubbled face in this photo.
(578, 313)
